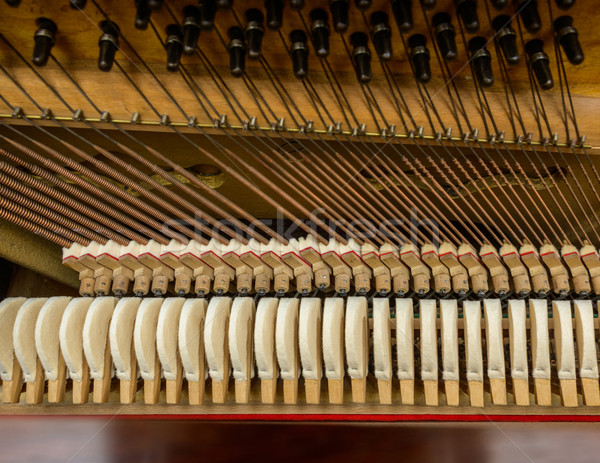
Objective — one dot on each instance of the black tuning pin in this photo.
(320, 32)
(506, 38)
(402, 10)
(362, 5)
(419, 56)
(567, 36)
(44, 39)
(467, 10)
(174, 47)
(224, 4)
(191, 28)
(481, 60)
(108, 43)
(13, 3)
(428, 4)
(339, 15)
(499, 4)
(361, 56)
(445, 36)
(296, 5)
(142, 14)
(237, 52)
(381, 35)
(530, 16)
(77, 4)
(565, 4)
(540, 63)
(155, 5)
(274, 10)
(254, 32)
(299, 52)
(208, 10)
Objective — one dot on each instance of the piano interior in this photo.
(300, 207)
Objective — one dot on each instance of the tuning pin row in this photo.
(237, 51)
(361, 57)
(445, 36)
(381, 35)
(419, 56)
(506, 38)
(44, 39)
(108, 43)
(319, 28)
(481, 60)
(299, 53)
(174, 47)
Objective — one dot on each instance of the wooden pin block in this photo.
(152, 386)
(543, 392)
(407, 391)
(431, 392)
(385, 391)
(101, 390)
(452, 389)
(476, 393)
(568, 392)
(591, 392)
(498, 390)
(56, 387)
(336, 391)
(11, 390)
(521, 391)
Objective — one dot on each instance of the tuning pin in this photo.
(13, 3)
(565, 4)
(507, 38)
(481, 61)
(540, 63)
(155, 5)
(567, 37)
(174, 47)
(382, 35)
(445, 36)
(362, 5)
(499, 4)
(191, 29)
(224, 4)
(274, 10)
(254, 32)
(44, 39)
(108, 43)
(299, 52)
(296, 5)
(77, 4)
(320, 32)
(402, 10)
(361, 56)
(237, 52)
(142, 14)
(529, 15)
(339, 15)
(428, 4)
(467, 10)
(419, 55)
(208, 10)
